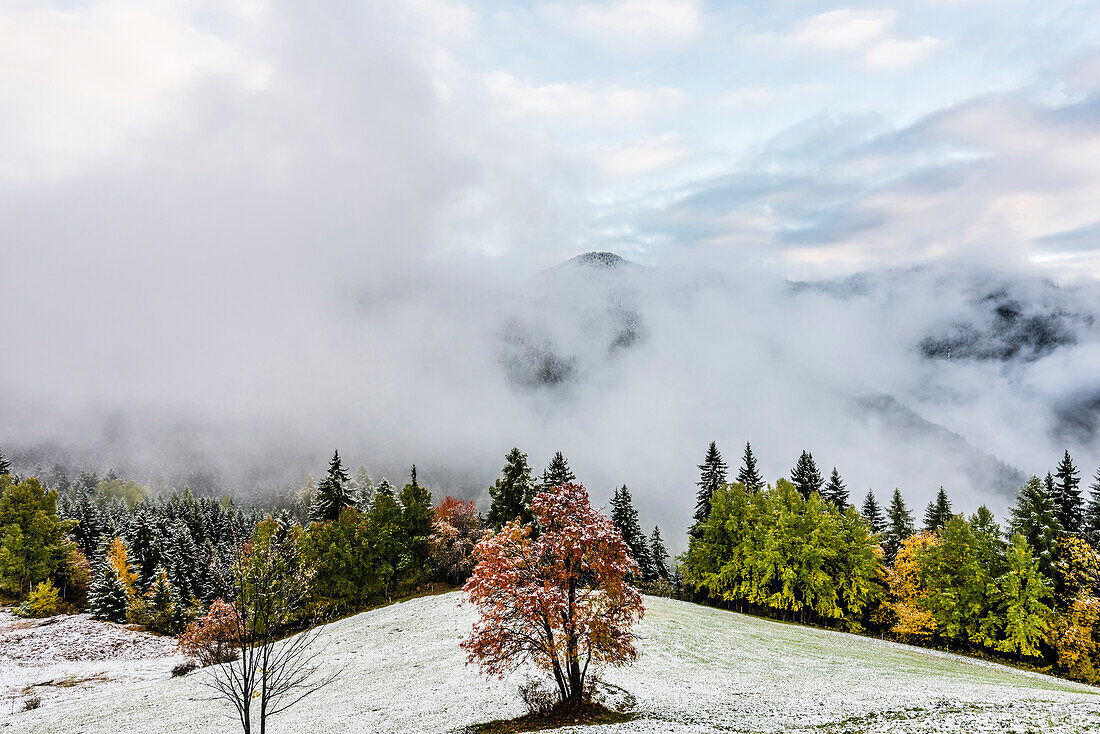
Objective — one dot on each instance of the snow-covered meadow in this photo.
(700, 670)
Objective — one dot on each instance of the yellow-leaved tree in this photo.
(913, 621)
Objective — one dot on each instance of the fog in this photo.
(315, 249)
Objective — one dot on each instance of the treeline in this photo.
(799, 550)
(114, 548)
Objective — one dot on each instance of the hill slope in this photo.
(701, 669)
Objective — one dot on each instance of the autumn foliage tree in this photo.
(561, 601)
(456, 528)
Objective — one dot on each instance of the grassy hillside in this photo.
(701, 669)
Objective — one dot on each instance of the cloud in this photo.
(108, 75)
(583, 102)
(759, 96)
(860, 31)
(842, 30)
(631, 23)
(894, 53)
(445, 18)
(638, 157)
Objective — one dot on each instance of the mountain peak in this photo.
(600, 260)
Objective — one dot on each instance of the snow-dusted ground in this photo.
(700, 670)
(67, 657)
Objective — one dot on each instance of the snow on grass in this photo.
(67, 657)
(700, 670)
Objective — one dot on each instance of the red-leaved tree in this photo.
(456, 528)
(561, 600)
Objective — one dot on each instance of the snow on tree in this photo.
(456, 528)
(557, 472)
(5, 465)
(562, 601)
(333, 493)
(658, 554)
(625, 518)
(108, 598)
(1092, 513)
(1034, 516)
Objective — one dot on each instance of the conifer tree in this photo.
(181, 562)
(144, 541)
(384, 528)
(658, 554)
(5, 465)
(512, 493)
(557, 472)
(712, 475)
(161, 607)
(805, 475)
(333, 494)
(362, 488)
(835, 493)
(899, 526)
(1092, 513)
(749, 475)
(872, 513)
(1034, 516)
(938, 511)
(107, 598)
(625, 518)
(1067, 497)
(416, 522)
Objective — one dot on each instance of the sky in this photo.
(243, 221)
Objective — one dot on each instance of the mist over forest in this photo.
(279, 240)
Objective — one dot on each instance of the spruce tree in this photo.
(107, 599)
(835, 493)
(362, 489)
(384, 530)
(333, 493)
(625, 518)
(749, 474)
(557, 472)
(658, 554)
(938, 511)
(181, 561)
(5, 465)
(144, 540)
(1034, 516)
(712, 475)
(899, 526)
(416, 522)
(872, 513)
(512, 493)
(805, 476)
(1092, 513)
(1067, 497)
